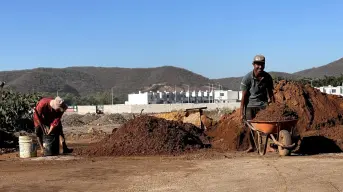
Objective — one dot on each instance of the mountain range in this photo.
(89, 80)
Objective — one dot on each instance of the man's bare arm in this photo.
(244, 103)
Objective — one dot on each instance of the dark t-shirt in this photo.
(258, 89)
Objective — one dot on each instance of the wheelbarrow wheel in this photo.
(262, 141)
(286, 139)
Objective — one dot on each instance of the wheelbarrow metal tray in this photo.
(273, 127)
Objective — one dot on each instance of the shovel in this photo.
(40, 123)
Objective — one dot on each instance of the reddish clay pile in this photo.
(147, 135)
(229, 133)
(318, 113)
(316, 110)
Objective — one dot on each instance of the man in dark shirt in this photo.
(256, 87)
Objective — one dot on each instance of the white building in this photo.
(220, 96)
(142, 98)
(226, 96)
(331, 90)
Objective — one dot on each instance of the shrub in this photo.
(16, 110)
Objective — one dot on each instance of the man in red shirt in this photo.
(47, 115)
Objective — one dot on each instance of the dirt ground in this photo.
(201, 171)
(242, 173)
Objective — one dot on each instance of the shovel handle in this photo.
(40, 123)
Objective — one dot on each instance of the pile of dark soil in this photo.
(147, 135)
(90, 117)
(319, 114)
(7, 150)
(72, 120)
(276, 112)
(109, 119)
(77, 120)
(8, 142)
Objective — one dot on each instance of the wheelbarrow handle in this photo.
(249, 124)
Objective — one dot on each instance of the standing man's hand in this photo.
(244, 103)
(242, 118)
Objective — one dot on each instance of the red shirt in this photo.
(48, 115)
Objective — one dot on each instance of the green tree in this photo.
(16, 110)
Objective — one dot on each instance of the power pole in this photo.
(112, 94)
(212, 93)
(209, 90)
(175, 94)
(189, 94)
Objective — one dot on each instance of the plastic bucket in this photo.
(27, 147)
(51, 144)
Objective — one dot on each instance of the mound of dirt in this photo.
(148, 135)
(72, 120)
(229, 133)
(8, 142)
(193, 118)
(77, 120)
(318, 112)
(207, 121)
(276, 112)
(90, 117)
(109, 119)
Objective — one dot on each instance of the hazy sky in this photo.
(213, 38)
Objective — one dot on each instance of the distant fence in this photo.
(151, 108)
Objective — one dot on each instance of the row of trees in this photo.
(100, 98)
(327, 80)
(316, 82)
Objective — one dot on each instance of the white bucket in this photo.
(27, 147)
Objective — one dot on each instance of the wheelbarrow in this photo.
(283, 130)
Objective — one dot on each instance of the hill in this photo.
(90, 80)
(334, 68)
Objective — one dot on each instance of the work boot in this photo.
(66, 149)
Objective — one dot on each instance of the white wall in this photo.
(159, 108)
(233, 95)
(155, 108)
(83, 109)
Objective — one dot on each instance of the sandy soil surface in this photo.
(201, 171)
(233, 173)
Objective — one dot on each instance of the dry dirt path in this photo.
(234, 173)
